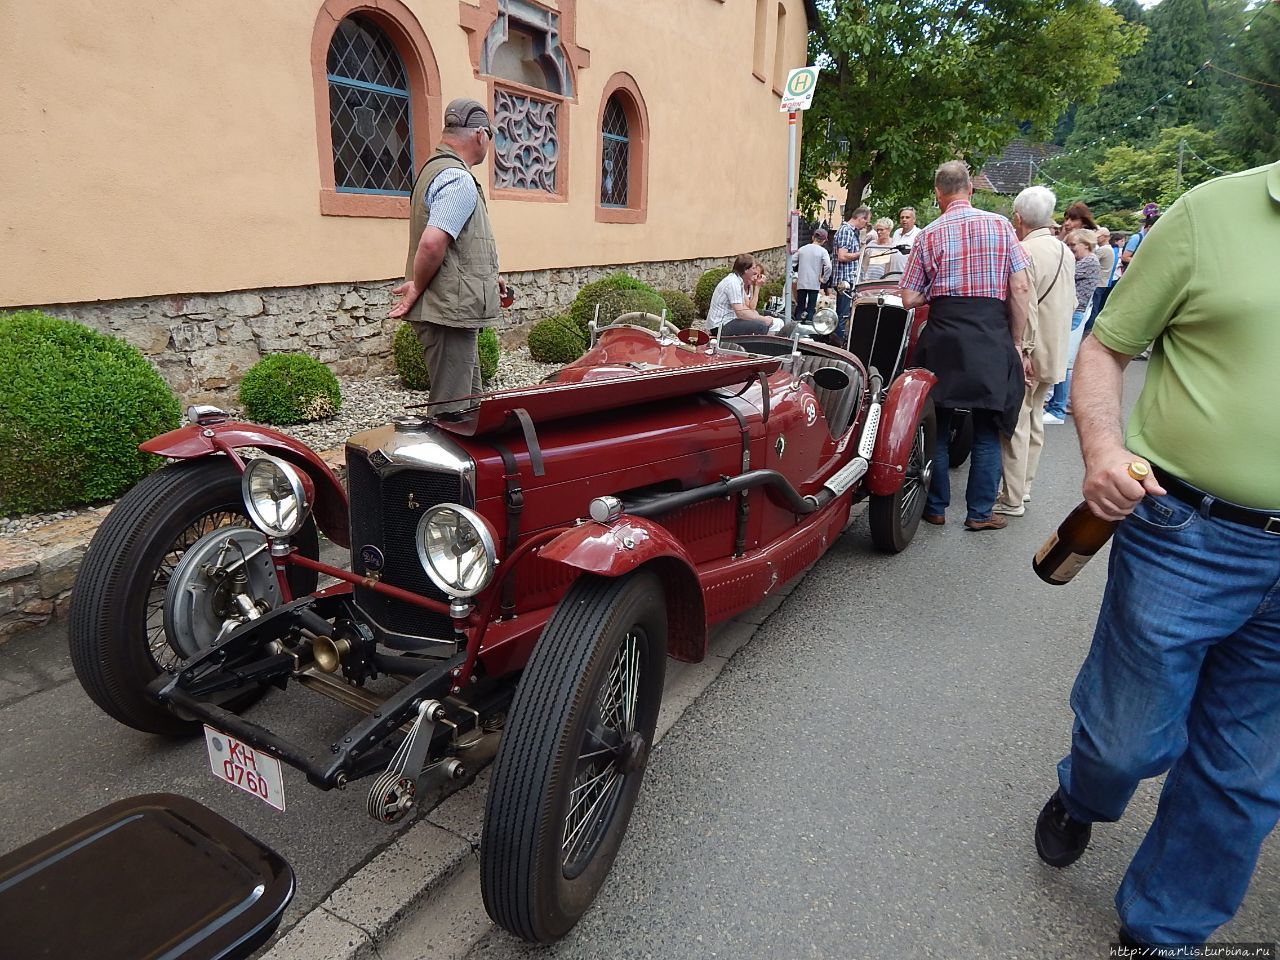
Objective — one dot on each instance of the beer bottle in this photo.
(1077, 539)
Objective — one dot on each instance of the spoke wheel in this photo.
(895, 517)
(573, 755)
(118, 635)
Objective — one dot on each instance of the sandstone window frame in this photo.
(402, 29)
(482, 24)
(624, 88)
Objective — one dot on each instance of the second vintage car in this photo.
(521, 570)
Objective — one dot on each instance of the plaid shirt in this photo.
(846, 237)
(965, 253)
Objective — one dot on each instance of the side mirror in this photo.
(830, 378)
(903, 248)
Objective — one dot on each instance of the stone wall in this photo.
(203, 343)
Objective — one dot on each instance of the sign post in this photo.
(797, 95)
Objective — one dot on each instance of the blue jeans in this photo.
(1057, 404)
(1184, 676)
(844, 307)
(984, 466)
(806, 301)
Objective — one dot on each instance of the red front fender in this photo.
(194, 441)
(907, 397)
(618, 548)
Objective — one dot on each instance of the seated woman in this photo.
(752, 284)
(729, 312)
(878, 261)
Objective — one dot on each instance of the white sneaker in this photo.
(1009, 511)
(1027, 498)
(1050, 418)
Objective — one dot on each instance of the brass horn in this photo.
(328, 652)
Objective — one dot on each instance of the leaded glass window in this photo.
(369, 111)
(616, 155)
(526, 148)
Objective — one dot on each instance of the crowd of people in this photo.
(1183, 673)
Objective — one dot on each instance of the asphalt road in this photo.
(61, 757)
(862, 779)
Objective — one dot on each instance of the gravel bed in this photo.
(366, 402)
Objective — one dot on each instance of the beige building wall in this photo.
(172, 148)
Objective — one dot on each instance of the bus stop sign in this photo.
(798, 93)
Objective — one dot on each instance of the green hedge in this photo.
(74, 405)
(681, 309)
(556, 340)
(490, 351)
(706, 287)
(614, 303)
(613, 293)
(411, 362)
(286, 388)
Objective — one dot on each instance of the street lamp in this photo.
(831, 221)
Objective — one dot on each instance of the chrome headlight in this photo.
(277, 496)
(824, 321)
(456, 548)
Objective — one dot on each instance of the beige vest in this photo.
(1049, 319)
(464, 291)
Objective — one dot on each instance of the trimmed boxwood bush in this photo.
(487, 345)
(770, 290)
(74, 405)
(556, 340)
(614, 303)
(706, 287)
(680, 308)
(583, 308)
(287, 388)
(411, 361)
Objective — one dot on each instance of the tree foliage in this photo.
(1251, 127)
(1137, 176)
(909, 85)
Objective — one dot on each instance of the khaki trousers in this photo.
(452, 364)
(1020, 454)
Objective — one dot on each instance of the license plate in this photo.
(241, 766)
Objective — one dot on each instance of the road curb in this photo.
(357, 918)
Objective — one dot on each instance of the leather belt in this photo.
(1222, 509)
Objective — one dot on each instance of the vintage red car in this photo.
(524, 567)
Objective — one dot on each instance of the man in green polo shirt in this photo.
(1183, 674)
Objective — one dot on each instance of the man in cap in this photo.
(451, 288)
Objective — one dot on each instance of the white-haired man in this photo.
(1044, 341)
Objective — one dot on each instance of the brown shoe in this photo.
(996, 522)
(937, 519)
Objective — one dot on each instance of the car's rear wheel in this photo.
(126, 625)
(895, 517)
(573, 755)
(959, 438)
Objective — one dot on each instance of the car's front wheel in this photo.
(573, 755)
(141, 603)
(895, 517)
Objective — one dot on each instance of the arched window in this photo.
(623, 160)
(369, 111)
(615, 153)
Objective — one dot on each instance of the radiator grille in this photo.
(382, 514)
